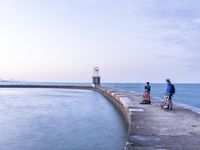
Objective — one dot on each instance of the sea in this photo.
(63, 119)
(59, 119)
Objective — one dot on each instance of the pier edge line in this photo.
(116, 99)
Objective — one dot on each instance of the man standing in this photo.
(170, 92)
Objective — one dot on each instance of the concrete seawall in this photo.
(121, 102)
(117, 100)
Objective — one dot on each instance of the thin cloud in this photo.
(173, 23)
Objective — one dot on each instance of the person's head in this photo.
(147, 83)
(168, 81)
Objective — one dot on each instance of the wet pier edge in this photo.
(150, 127)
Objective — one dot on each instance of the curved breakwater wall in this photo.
(122, 104)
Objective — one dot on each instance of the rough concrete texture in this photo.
(153, 128)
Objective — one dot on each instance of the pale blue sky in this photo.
(130, 40)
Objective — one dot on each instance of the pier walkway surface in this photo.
(152, 128)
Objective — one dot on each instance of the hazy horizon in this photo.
(131, 41)
(90, 82)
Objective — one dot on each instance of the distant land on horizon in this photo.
(88, 82)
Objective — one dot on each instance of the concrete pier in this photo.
(152, 128)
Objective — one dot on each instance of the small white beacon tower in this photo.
(96, 82)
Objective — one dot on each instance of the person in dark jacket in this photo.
(170, 91)
(146, 95)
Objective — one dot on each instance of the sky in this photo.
(129, 40)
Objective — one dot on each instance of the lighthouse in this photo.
(96, 82)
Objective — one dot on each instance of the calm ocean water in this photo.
(58, 119)
(188, 94)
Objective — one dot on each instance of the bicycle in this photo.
(167, 101)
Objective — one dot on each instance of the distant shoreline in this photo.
(48, 86)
